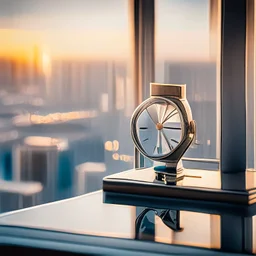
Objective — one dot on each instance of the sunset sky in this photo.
(100, 28)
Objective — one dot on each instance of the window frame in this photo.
(232, 75)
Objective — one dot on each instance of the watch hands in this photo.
(162, 108)
(175, 141)
(162, 118)
(169, 145)
(160, 142)
(173, 113)
(158, 113)
(158, 146)
(152, 112)
(172, 128)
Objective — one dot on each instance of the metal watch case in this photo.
(176, 96)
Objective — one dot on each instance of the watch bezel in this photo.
(179, 105)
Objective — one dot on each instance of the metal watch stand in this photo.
(211, 186)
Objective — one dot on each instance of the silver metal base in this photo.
(205, 185)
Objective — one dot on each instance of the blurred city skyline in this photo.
(66, 73)
(82, 51)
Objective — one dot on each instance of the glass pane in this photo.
(187, 52)
(66, 97)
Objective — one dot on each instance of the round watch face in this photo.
(158, 127)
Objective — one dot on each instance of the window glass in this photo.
(187, 52)
(66, 96)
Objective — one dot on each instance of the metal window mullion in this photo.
(233, 89)
(236, 233)
(144, 54)
(144, 28)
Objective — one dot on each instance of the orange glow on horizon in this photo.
(78, 45)
(18, 44)
(63, 44)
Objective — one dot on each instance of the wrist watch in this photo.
(162, 129)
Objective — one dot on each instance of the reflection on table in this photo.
(89, 215)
